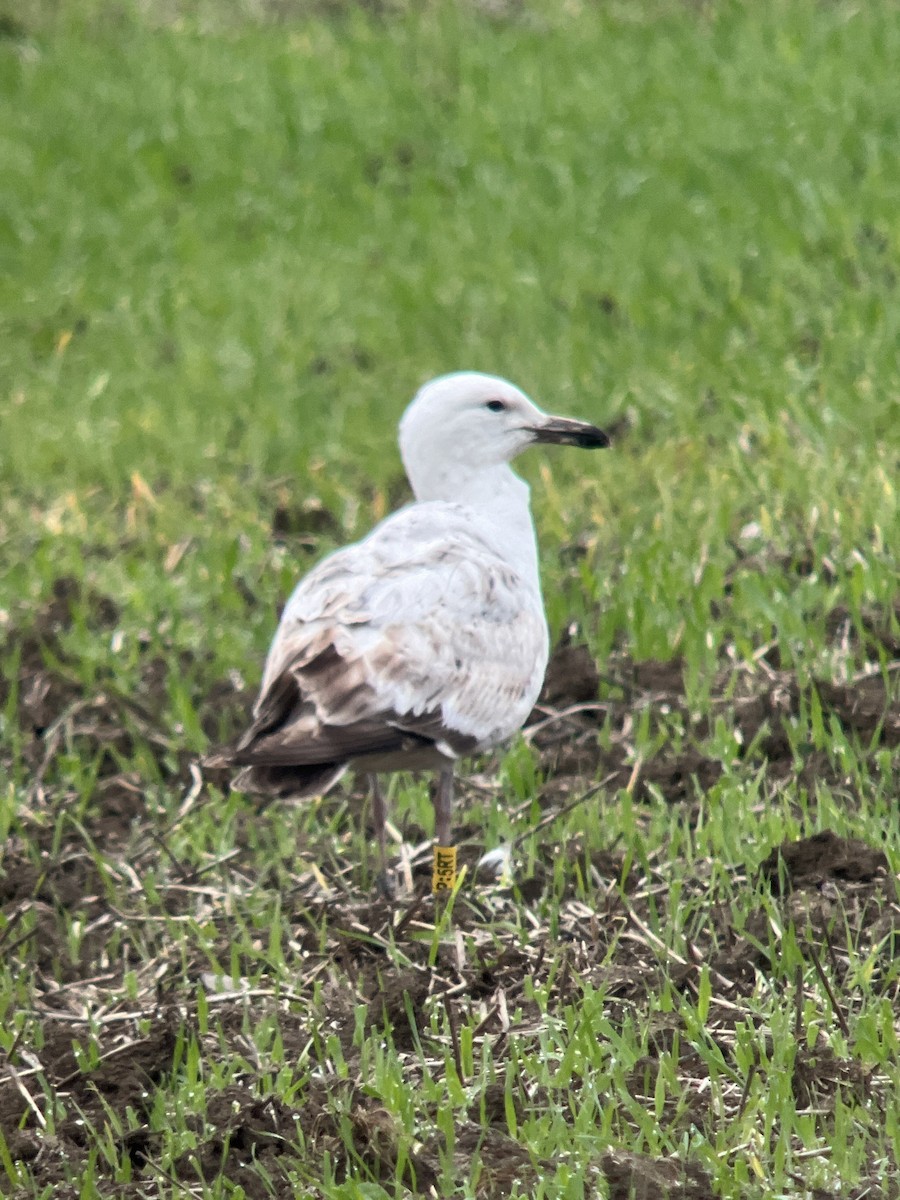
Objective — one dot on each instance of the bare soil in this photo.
(835, 892)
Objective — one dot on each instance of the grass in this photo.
(233, 243)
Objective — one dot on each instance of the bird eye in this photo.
(496, 406)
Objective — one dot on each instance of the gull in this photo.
(427, 641)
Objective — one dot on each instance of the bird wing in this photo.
(419, 636)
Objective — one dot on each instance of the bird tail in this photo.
(313, 779)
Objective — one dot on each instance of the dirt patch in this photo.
(809, 862)
(125, 1077)
(57, 717)
(246, 1135)
(239, 1129)
(584, 722)
(572, 676)
(638, 1177)
(397, 1005)
(106, 925)
(259, 1143)
(39, 670)
(819, 1075)
(306, 521)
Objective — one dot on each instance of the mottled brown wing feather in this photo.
(287, 731)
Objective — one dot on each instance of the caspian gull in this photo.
(427, 640)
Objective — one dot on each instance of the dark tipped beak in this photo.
(562, 431)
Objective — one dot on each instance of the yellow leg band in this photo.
(443, 877)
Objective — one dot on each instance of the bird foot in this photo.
(386, 884)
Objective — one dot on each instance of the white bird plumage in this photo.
(426, 640)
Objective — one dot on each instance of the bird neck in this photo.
(501, 499)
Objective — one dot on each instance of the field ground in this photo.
(233, 242)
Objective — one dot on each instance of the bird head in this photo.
(467, 422)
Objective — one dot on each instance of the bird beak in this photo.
(563, 431)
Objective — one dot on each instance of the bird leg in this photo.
(384, 881)
(443, 877)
